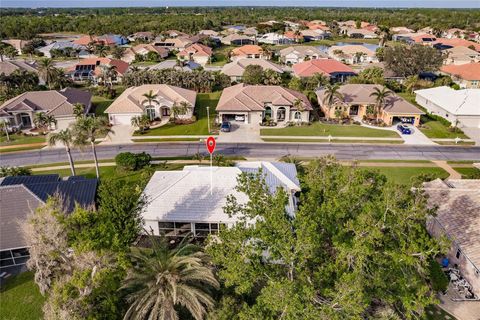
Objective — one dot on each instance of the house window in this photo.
(281, 114)
(151, 113)
(298, 115)
(459, 252)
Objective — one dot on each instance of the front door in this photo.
(353, 110)
(151, 113)
(26, 120)
(165, 112)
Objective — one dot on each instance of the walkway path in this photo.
(417, 137)
(120, 134)
(445, 166)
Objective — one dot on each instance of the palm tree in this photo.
(331, 96)
(43, 121)
(150, 98)
(381, 96)
(180, 109)
(86, 130)
(4, 123)
(141, 122)
(78, 110)
(47, 71)
(108, 72)
(118, 52)
(320, 78)
(101, 51)
(163, 278)
(66, 138)
(299, 105)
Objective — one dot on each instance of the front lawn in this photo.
(468, 173)
(100, 104)
(199, 127)
(17, 139)
(404, 175)
(335, 130)
(332, 141)
(220, 56)
(20, 298)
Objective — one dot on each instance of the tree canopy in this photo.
(412, 60)
(356, 248)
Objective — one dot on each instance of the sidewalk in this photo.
(330, 138)
(445, 166)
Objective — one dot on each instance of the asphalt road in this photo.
(253, 150)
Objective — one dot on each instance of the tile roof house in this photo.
(63, 46)
(457, 42)
(143, 50)
(315, 34)
(276, 38)
(177, 44)
(145, 36)
(91, 69)
(248, 51)
(357, 98)
(132, 103)
(462, 106)
(296, 54)
(359, 33)
(197, 52)
(188, 66)
(236, 68)
(181, 202)
(466, 75)
(21, 195)
(210, 33)
(336, 70)
(352, 54)
(18, 44)
(458, 218)
(237, 40)
(461, 55)
(7, 67)
(20, 111)
(254, 104)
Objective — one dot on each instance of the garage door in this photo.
(122, 119)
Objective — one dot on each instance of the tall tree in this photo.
(162, 279)
(253, 74)
(331, 96)
(411, 60)
(86, 130)
(150, 98)
(47, 71)
(78, 110)
(346, 254)
(380, 95)
(65, 137)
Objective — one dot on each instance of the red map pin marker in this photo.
(211, 144)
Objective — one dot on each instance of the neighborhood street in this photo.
(254, 151)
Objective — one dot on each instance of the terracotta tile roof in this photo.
(458, 213)
(468, 71)
(351, 50)
(131, 100)
(293, 35)
(150, 47)
(325, 66)
(457, 42)
(243, 97)
(247, 49)
(197, 49)
(303, 51)
(7, 67)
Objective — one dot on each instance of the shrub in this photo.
(132, 161)
(14, 171)
(438, 278)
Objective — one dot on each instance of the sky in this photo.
(189, 3)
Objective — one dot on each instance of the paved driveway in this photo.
(122, 133)
(474, 134)
(417, 137)
(241, 132)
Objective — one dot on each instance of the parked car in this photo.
(226, 126)
(404, 129)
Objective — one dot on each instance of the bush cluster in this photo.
(129, 161)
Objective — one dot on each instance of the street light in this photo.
(208, 118)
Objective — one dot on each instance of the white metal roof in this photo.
(457, 102)
(184, 196)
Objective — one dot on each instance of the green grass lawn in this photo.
(220, 56)
(332, 141)
(199, 127)
(404, 175)
(164, 140)
(100, 104)
(431, 127)
(17, 139)
(335, 130)
(436, 313)
(468, 173)
(20, 299)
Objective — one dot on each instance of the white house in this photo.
(133, 102)
(274, 38)
(454, 105)
(192, 200)
(352, 54)
(297, 54)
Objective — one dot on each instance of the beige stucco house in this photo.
(254, 104)
(132, 102)
(357, 99)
